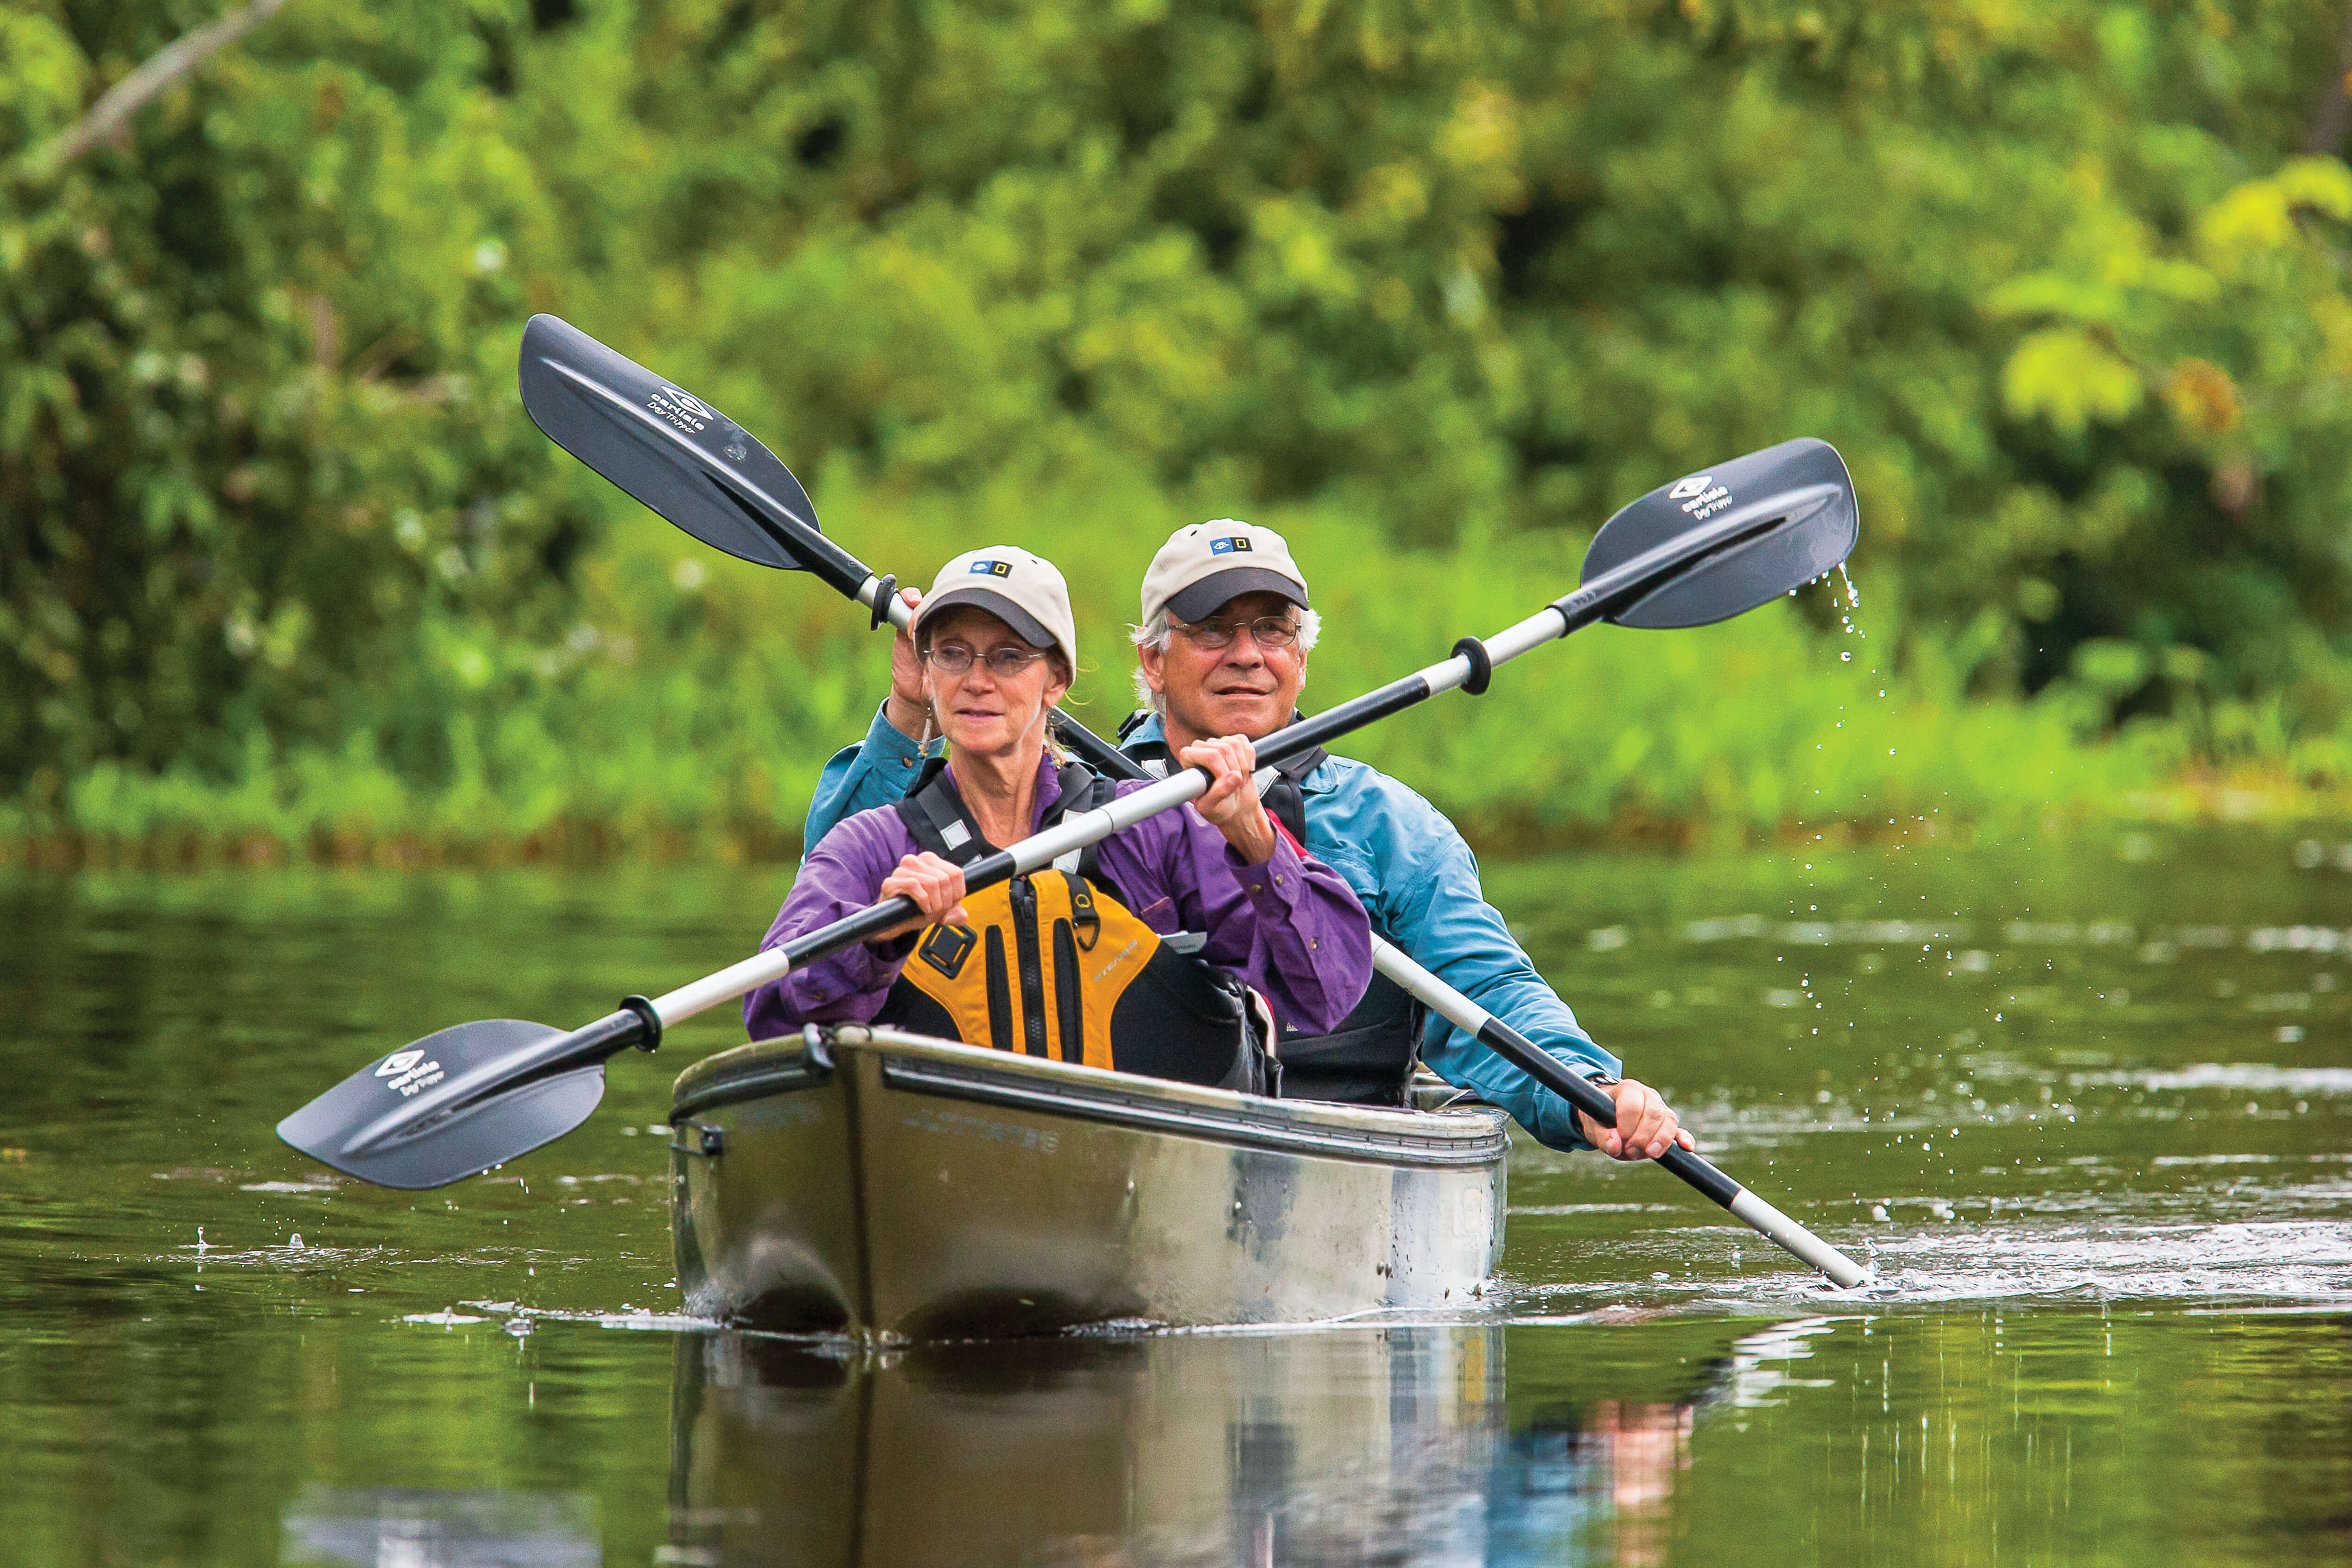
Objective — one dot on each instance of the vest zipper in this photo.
(1000, 993)
(1033, 966)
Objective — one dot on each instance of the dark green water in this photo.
(2090, 1108)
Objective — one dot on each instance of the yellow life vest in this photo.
(1052, 965)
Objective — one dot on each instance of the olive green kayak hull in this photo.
(868, 1182)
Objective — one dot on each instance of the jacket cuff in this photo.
(1274, 883)
(887, 748)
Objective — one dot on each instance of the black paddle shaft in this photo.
(1587, 1097)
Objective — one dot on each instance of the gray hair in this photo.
(1154, 634)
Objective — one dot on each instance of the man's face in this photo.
(1241, 688)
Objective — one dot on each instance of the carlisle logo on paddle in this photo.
(408, 1071)
(1701, 497)
(1227, 546)
(683, 409)
(992, 568)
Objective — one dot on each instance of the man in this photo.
(1223, 646)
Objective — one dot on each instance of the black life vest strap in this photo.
(932, 808)
(933, 804)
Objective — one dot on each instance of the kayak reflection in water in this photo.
(1223, 646)
(1400, 1446)
(1073, 962)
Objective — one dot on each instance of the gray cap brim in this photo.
(1202, 599)
(1025, 625)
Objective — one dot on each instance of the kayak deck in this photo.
(866, 1181)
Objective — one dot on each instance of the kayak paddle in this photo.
(704, 473)
(459, 1101)
(678, 455)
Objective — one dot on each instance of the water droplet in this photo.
(735, 450)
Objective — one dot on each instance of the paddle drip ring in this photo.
(1482, 668)
(883, 591)
(648, 1017)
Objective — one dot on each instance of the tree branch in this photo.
(113, 112)
(2334, 115)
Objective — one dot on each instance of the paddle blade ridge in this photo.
(665, 447)
(1805, 521)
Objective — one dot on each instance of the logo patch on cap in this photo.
(992, 568)
(1227, 546)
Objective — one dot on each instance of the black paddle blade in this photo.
(435, 1113)
(664, 446)
(1802, 501)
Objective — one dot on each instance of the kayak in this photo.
(869, 1181)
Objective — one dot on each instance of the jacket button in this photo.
(1257, 887)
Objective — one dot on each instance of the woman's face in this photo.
(980, 711)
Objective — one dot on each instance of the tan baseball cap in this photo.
(1023, 591)
(1205, 564)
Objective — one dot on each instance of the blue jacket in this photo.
(1416, 879)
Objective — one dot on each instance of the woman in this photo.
(1067, 963)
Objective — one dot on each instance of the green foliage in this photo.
(694, 702)
(1437, 287)
(258, 429)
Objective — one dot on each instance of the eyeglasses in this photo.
(1005, 663)
(1266, 631)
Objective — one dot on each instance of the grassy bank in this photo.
(689, 708)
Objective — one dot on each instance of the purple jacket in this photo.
(1291, 928)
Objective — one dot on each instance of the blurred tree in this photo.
(1519, 261)
(257, 435)
(2060, 281)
